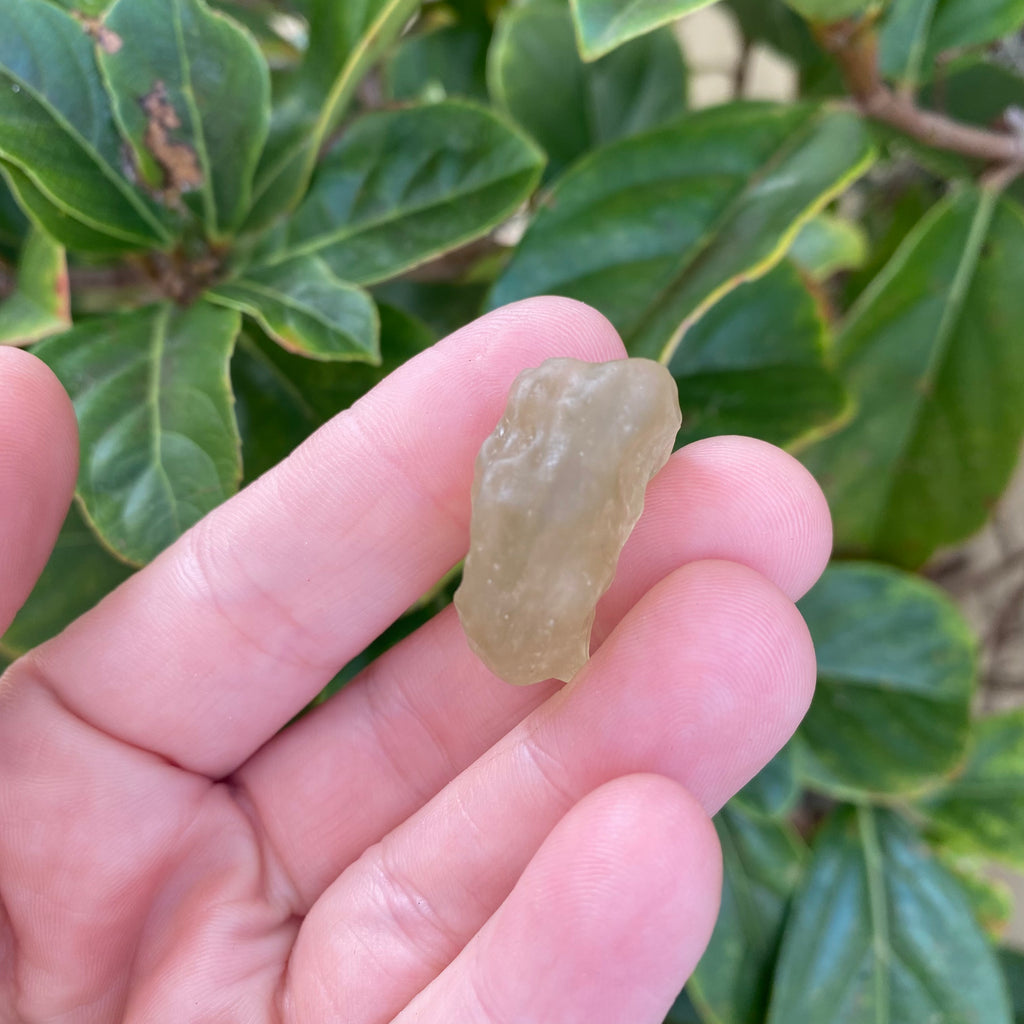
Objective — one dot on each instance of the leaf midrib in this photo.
(157, 345)
(952, 312)
(346, 234)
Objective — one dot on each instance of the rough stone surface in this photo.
(558, 488)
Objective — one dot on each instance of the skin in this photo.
(432, 844)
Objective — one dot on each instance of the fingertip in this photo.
(625, 891)
(790, 528)
(38, 465)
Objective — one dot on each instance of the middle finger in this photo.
(340, 779)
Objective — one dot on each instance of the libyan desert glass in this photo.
(557, 489)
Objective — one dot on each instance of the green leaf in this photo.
(90, 8)
(603, 25)
(444, 306)
(991, 899)
(1012, 962)
(56, 125)
(41, 303)
(915, 32)
(975, 89)
(829, 11)
(569, 107)
(55, 222)
(346, 39)
(932, 354)
(79, 573)
(191, 92)
(159, 444)
(282, 398)
(755, 364)
(405, 186)
(780, 27)
(896, 664)
(762, 863)
(654, 229)
(828, 244)
(305, 308)
(981, 809)
(879, 933)
(448, 61)
(683, 1011)
(774, 791)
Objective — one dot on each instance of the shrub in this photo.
(222, 222)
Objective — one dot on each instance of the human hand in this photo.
(431, 844)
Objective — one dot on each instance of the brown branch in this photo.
(854, 46)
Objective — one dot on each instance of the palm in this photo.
(431, 844)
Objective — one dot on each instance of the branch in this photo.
(854, 46)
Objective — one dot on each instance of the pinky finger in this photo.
(605, 924)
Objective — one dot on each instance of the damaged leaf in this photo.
(56, 125)
(191, 94)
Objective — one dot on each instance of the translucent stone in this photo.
(557, 489)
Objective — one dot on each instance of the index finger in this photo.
(207, 652)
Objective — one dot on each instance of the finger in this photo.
(38, 462)
(702, 682)
(208, 652)
(604, 925)
(428, 708)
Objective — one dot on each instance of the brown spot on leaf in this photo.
(178, 160)
(106, 39)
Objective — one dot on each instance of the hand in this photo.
(431, 845)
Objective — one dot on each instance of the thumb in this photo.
(38, 464)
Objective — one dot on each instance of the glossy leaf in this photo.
(916, 31)
(828, 244)
(408, 185)
(56, 223)
(981, 809)
(774, 791)
(896, 665)
(41, 303)
(159, 444)
(191, 92)
(305, 308)
(56, 124)
(762, 863)
(444, 62)
(569, 107)
(282, 398)
(79, 573)
(755, 364)
(603, 25)
(932, 354)
(346, 39)
(652, 230)
(879, 933)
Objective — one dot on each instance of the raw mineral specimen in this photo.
(557, 489)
